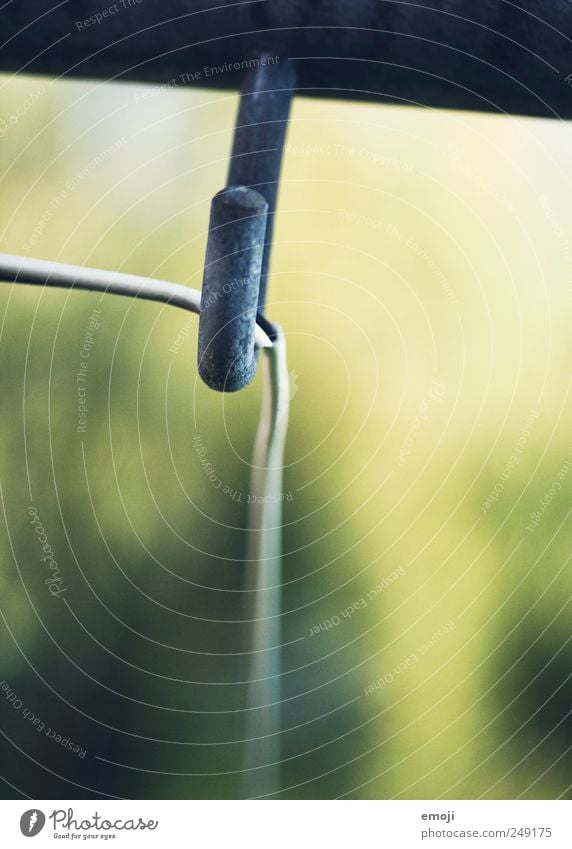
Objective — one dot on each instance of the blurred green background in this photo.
(422, 272)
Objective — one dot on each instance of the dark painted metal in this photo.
(240, 229)
(233, 263)
(259, 136)
(491, 55)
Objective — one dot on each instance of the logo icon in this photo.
(293, 377)
(32, 822)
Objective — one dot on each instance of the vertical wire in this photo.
(261, 762)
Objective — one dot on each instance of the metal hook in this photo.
(240, 229)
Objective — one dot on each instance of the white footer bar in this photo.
(288, 824)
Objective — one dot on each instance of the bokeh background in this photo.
(422, 272)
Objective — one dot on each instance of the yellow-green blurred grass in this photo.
(412, 248)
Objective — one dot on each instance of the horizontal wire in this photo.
(39, 272)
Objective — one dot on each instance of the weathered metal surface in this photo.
(491, 55)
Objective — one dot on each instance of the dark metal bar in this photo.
(259, 136)
(233, 263)
(495, 55)
(241, 228)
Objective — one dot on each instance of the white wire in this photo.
(39, 272)
(263, 565)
